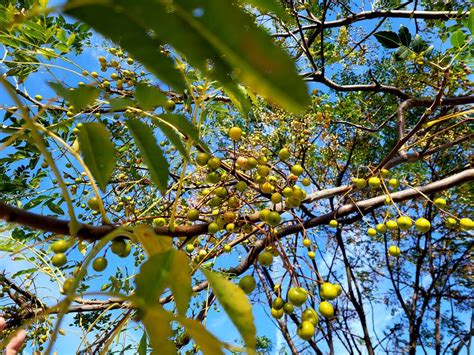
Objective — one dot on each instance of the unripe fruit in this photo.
(297, 296)
(310, 315)
(233, 202)
(67, 285)
(450, 222)
(241, 186)
(227, 248)
(287, 192)
(393, 250)
(247, 283)
(284, 154)
(93, 203)
(333, 223)
(371, 232)
(328, 291)
(306, 330)
(311, 254)
(404, 222)
(202, 158)
(381, 228)
(391, 225)
(267, 188)
(394, 183)
(169, 105)
(273, 218)
(213, 177)
(359, 183)
(214, 163)
(251, 163)
(192, 215)
(326, 309)
(423, 225)
(297, 170)
(263, 214)
(265, 258)
(276, 198)
(440, 202)
(288, 308)
(159, 222)
(189, 248)
(374, 182)
(384, 173)
(59, 260)
(202, 253)
(466, 224)
(278, 303)
(221, 192)
(277, 313)
(121, 248)
(213, 228)
(99, 264)
(235, 133)
(59, 246)
(306, 182)
(229, 216)
(263, 170)
(307, 242)
(338, 289)
(38, 97)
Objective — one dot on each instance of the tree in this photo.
(307, 159)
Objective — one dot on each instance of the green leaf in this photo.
(457, 39)
(162, 270)
(184, 126)
(157, 324)
(239, 97)
(388, 39)
(55, 208)
(149, 97)
(236, 304)
(119, 103)
(174, 138)
(114, 21)
(470, 21)
(142, 346)
(418, 44)
(98, 151)
(205, 33)
(79, 97)
(402, 53)
(151, 153)
(207, 342)
(404, 35)
(268, 6)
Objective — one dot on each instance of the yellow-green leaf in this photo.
(152, 243)
(79, 97)
(207, 342)
(149, 97)
(98, 151)
(151, 153)
(237, 306)
(157, 324)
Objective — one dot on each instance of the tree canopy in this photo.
(303, 166)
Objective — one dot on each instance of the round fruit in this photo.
(371, 232)
(99, 264)
(67, 285)
(359, 183)
(287, 192)
(263, 214)
(288, 308)
(241, 186)
(333, 223)
(278, 303)
(213, 228)
(306, 330)
(230, 227)
(251, 163)
(202, 158)
(307, 242)
(297, 296)
(394, 183)
(221, 192)
(159, 222)
(235, 133)
(284, 154)
(311, 254)
(328, 291)
(297, 170)
(466, 224)
(273, 218)
(214, 163)
(247, 283)
(338, 289)
(93, 203)
(59, 260)
(267, 188)
(213, 177)
(263, 170)
(326, 309)
(227, 248)
(381, 228)
(391, 225)
(374, 182)
(440, 202)
(306, 182)
(276, 198)
(233, 202)
(404, 222)
(393, 250)
(121, 248)
(310, 315)
(265, 258)
(192, 215)
(241, 161)
(423, 225)
(169, 105)
(277, 313)
(202, 253)
(189, 248)
(38, 97)
(59, 246)
(384, 173)
(450, 222)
